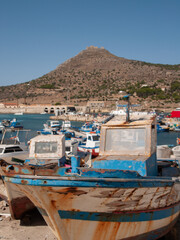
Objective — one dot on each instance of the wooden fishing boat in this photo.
(123, 194)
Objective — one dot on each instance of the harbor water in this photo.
(34, 122)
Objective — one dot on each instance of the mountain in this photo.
(97, 74)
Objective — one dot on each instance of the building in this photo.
(93, 106)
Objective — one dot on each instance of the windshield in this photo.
(45, 147)
(126, 141)
(95, 138)
(1, 150)
(55, 123)
(68, 149)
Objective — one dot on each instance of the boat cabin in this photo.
(128, 145)
(93, 140)
(47, 149)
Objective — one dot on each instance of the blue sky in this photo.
(38, 35)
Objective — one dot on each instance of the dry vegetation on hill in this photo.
(97, 74)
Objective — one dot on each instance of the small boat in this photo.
(66, 124)
(90, 127)
(177, 129)
(46, 130)
(162, 128)
(15, 124)
(120, 112)
(91, 144)
(86, 127)
(6, 122)
(53, 125)
(18, 113)
(124, 193)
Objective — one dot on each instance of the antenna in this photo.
(128, 105)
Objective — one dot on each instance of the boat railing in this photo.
(15, 138)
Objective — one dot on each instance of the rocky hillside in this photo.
(96, 74)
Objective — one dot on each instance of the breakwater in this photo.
(79, 118)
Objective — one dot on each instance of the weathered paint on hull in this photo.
(93, 230)
(106, 213)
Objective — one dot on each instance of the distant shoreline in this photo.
(51, 109)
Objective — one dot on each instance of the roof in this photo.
(47, 138)
(175, 114)
(140, 119)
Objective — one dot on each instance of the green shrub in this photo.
(47, 86)
(145, 92)
(160, 81)
(176, 97)
(175, 86)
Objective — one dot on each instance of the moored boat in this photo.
(91, 144)
(124, 194)
(15, 124)
(66, 124)
(50, 127)
(177, 129)
(19, 113)
(87, 127)
(162, 128)
(53, 125)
